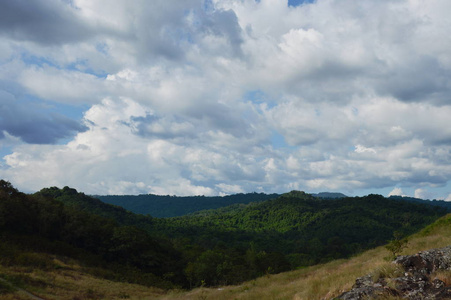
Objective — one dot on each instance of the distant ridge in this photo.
(329, 195)
(175, 206)
(440, 203)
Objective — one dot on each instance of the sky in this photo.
(216, 97)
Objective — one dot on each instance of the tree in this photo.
(396, 245)
(7, 189)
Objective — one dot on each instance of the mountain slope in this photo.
(39, 223)
(439, 203)
(328, 195)
(42, 233)
(328, 280)
(293, 230)
(173, 206)
(63, 278)
(299, 223)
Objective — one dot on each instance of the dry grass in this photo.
(444, 276)
(317, 282)
(69, 282)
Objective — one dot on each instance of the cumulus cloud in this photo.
(112, 158)
(216, 97)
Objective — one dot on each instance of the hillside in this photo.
(293, 230)
(329, 195)
(439, 203)
(329, 280)
(39, 223)
(305, 229)
(174, 206)
(58, 277)
(209, 248)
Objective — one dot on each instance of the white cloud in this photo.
(396, 192)
(111, 158)
(63, 86)
(363, 149)
(227, 189)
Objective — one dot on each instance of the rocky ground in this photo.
(417, 282)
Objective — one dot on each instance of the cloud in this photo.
(32, 125)
(396, 192)
(227, 189)
(43, 22)
(363, 149)
(63, 86)
(216, 97)
(220, 24)
(113, 158)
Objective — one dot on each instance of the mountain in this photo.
(330, 280)
(160, 206)
(439, 203)
(224, 246)
(292, 230)
(306, 229)
(46, 265)
(328, 195)
(41, 223)
(174, 206)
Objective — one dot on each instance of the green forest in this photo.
(213, 247)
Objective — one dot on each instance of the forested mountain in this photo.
(329, 195)
(212, 247)
(39, 223)
(305, 229)
(293, 230)
(440, 203)
(174, 206)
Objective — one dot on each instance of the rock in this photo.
(367, 292)
(365, 288)
(427, 262)
(363, 281)
(416, 282)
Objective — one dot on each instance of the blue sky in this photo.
(218, 97)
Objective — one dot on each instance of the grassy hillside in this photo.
(59, 277)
